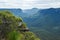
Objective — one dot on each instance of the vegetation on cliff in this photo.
(13, 28)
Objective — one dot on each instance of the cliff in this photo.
(13, 28)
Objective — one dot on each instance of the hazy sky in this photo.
(27, 4)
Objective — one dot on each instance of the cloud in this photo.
(26, 4)
(49, 5)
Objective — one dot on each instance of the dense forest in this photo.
(13, 28)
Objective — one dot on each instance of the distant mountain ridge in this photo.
(23, 13)
(44, 14)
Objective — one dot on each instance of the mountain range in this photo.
(44, 22)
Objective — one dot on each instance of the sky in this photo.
(28, 4)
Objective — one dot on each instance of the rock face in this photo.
(13, 28)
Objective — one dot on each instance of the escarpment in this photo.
(13, 28)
